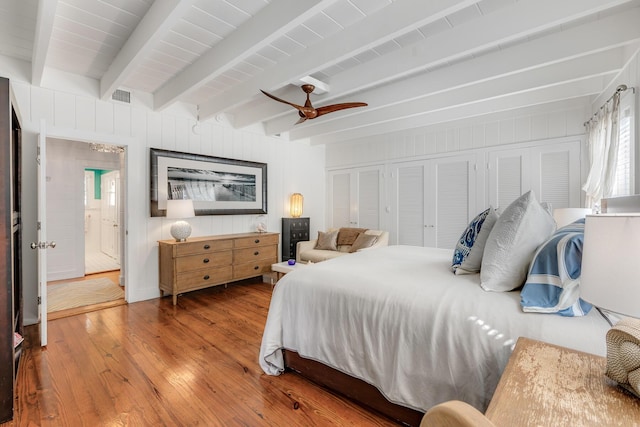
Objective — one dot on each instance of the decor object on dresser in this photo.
(180, 209)
(217, 186)
(214, 260)
(338, 242)
(294, 230)
(610, 282)
(295, 205)
(10, 249)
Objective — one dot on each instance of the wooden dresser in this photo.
(548, 385)
(202, 262)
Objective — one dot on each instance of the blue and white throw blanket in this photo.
(553, 282)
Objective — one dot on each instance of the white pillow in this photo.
(523, 226)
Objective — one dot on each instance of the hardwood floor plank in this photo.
(154, 364)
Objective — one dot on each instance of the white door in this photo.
(110, 227)
(41, 245)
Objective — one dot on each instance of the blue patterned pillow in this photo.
(467, 255)
(553, 281)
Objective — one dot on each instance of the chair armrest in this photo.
(455, 413)
(304, 246)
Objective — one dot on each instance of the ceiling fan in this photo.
(307, 111)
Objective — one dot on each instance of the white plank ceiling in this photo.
(414, 62)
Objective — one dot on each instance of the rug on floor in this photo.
(63, 296)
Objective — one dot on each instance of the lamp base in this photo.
(623, 354)
(180, 230)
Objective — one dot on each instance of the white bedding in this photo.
(398, 318)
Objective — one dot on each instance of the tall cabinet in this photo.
(10, 256)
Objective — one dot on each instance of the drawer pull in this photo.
(206, 260)
(206, 277)
(257, 267)
(256, 241)
(256, 253)
(207, 247)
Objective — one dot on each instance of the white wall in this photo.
(72, 110)
(558, 120)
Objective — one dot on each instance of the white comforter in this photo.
(398, 318)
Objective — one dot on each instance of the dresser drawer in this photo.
(203, 247)
(252, 269)
(202, 278)
(258, 240)
(208, 260)
(241, 256)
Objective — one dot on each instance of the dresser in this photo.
(548, 385)
(294, 230)
(202, 262)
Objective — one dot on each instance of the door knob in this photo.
(42, 245)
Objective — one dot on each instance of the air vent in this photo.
(122, 96)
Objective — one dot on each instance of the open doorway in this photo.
(85, 212)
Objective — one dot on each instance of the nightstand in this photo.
(548, 385)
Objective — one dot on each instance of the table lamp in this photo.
(610, 280)
(565, 216)
(295, 205)
(180, 209)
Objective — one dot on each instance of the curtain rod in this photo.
(619, 89)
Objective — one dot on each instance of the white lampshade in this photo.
(179, 209)
(566, 216)
(610, 259)
(295, 205)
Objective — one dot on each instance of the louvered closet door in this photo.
(556, 173)
(356, 197)
(433, 200)
(368, 193)
(341, 199)
(453, 184)
(409, 210)
(509, 176)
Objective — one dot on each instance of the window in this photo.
(624, 177)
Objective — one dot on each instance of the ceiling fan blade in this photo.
(300, 120)
(336, 107)
(275, 98)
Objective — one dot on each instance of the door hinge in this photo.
(39, 300)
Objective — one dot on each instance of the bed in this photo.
(396, 318)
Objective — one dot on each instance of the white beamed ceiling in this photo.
(415, 62)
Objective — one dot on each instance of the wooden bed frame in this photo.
(353, 388)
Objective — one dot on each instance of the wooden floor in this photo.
(153, 364)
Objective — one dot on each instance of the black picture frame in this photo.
(217, 185)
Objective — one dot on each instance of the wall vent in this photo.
(122, 96)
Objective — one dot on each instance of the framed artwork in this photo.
(217, 186)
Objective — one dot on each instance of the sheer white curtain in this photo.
(602, 147)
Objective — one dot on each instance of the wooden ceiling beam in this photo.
(270, 23)
(44, 28)
(371, 31)
(156, 23)
(600, 64)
